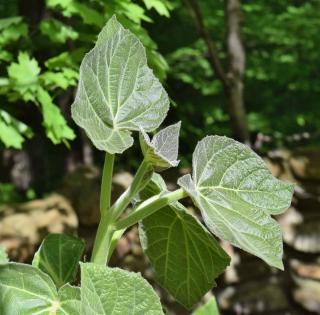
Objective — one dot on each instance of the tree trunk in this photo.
(232, 79)
(236, 67)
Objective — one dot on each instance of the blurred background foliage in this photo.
(42, 44)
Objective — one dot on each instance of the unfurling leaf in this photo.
(162, 150)
(59, 256)
(236, 194)
(117, 93)
(27, 290)
(185, 257)
(113, 291)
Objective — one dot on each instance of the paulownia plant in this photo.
(235, 192)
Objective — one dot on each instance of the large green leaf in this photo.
(210, 308)
(236, 194)
(162, 150)
(112, 291)
(27, 290)
(117, 92)
(184, 255)
(59, 256)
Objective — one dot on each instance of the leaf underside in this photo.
(118, 92)
(185, 257)
(236, 194)
(162, 150)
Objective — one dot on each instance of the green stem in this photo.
(142, 177)
(105, 228)
(149, 207)
(106, 184)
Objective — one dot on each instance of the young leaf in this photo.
(117, 92)
(236, 194)
(210, 308)
(59, 256)
(3, 256)
(27, 290)
(185, 257)
(162, 151)
(114, 291)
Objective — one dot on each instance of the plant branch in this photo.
(106, 185)
(212, 51)
(141, 179)
(149, 207)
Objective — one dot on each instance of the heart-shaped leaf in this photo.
(184, 255)
(162, 150)
(27, 290)
(236, 194)
(59, 256)
(113, 291)
(117, 91)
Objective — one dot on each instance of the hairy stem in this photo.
(149, 207)
(106, 185)
(105, 229)
(141, 179)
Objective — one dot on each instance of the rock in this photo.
(305, 163)
(23, 226)
(301, 232)
(254, 297)
(306, 277)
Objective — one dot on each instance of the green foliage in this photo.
(162, 151)
(3, 256)
(230, 184)
(180, 249)
(126, 291)
(58, 256)
(117, 91)
(236, 194)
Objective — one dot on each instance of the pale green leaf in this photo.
(23, 76)
(12, 131)
(3, 255)
(56, 126)
(57, 31)
(27, 290)
(184, 255)
(113, 291)
(161, 6)
(236, 194)
(11, 29)
(210, 308)
(59, 256)
(117, 92)
(162, 150)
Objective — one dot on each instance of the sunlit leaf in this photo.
(113, 291)
(117, 91)
(162, 150)
(210, 308)
(236, 194)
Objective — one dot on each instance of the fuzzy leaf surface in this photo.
(27, 290)
(113, 291)
(236, 194)
(59, 256)
(162, 150)
(117, 92)
(185, 257)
